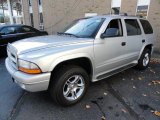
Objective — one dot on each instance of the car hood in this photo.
(43, 42)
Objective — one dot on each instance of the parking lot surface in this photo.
(9, 93)
(129, 95)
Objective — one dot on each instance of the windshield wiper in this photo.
(61, 33)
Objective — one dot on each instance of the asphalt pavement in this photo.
(129, 95)
(9, 92)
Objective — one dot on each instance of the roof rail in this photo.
(123, 14)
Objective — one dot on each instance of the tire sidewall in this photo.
(140, 62)
(62, 80)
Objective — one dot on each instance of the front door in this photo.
(110, 48)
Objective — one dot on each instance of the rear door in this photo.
(134, 40)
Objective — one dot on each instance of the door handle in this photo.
(143, 41)
(123, 43)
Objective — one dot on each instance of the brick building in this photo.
(53, 15)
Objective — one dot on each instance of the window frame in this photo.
(40, 2)
(143, 5)
(30, 3)
(40, 15)
(112, 7)
(121, 27)
(31, 17)
(137, 24)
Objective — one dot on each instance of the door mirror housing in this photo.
(110, 32)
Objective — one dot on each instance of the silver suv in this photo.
(89, 49)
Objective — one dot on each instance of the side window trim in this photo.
(144, 27)
(141, 27)
(138, 25)
(120, 25)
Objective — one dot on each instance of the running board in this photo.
(115, 71)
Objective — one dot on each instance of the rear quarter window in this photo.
(146, 27)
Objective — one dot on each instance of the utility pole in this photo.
(10, 11)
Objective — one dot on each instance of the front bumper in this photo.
(32, 83)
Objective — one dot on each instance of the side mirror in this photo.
(110, 32)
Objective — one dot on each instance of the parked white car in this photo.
(90, 49)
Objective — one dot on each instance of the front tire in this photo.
(69, 85)
(144, 60)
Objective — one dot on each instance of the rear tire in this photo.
(144, 60)
(69, 85)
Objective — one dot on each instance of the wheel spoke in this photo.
(74, 95)
(146, 59)
(68, 82)
(67, 92)
(76, 79)
(80, 86)
(74, 87)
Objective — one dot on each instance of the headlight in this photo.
(28, 67)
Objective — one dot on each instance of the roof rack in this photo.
(123, 14)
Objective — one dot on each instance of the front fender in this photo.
(70, 57)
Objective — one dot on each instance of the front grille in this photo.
(11, 51)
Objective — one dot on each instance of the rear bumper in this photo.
(28, 82)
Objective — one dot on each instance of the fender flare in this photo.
(144, 46)
(70, 57)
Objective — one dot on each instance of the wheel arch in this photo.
(80, 60)
(148, 46)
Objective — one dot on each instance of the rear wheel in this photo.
(144, 60)
(69, 85)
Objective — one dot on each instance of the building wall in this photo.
(26, 17)
(129, 6)
(154, 18)
(59, 13)
(35, 13)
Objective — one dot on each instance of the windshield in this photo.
(84, 28)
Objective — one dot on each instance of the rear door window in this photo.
(26, 29)
(132, 27)
(146, 27)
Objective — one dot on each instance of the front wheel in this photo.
(69, 86)
(144, 60)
